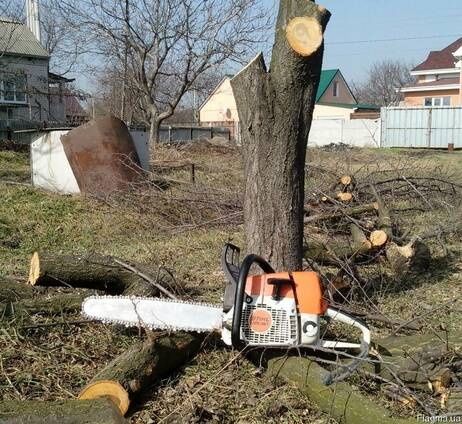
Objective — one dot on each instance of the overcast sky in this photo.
(363, 20)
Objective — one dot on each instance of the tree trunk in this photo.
(134, 370)
(275, 110)
(100, 411)
(154, 129)
(93, 271)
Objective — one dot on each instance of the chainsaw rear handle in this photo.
(247, 263)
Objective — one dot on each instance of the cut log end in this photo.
(345, 197)
(34, 270)
(107, 389)
(304, 35)
(346, 180)
(378, 238)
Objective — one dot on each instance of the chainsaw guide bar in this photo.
(161, 314)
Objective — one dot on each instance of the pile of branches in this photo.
(175, 196)
(359, 221)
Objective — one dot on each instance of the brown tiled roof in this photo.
(442, 59)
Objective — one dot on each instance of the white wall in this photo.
(355, 132)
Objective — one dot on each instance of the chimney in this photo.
(33, 19)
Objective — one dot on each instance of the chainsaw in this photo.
(268, 310)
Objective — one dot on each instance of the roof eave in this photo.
(430, 88)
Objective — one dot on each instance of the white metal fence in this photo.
(428, 127)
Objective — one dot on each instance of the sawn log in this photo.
(93, 271)
(138, 367)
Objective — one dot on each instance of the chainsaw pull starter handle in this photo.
(247, 263)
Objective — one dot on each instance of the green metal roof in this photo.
(326, 78)
(17, 39)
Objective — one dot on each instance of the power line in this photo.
(384, 40)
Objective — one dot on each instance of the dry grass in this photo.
(55, 362)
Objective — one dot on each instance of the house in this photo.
(29, 93)
(334, 100)
(23, 74)
(438, 79)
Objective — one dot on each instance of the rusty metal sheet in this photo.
(102, 155)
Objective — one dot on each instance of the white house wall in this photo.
(331, 112)
(220, 106)
(36, 70)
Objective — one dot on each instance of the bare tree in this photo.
(382, 83)
(168, 44)
(64, 42)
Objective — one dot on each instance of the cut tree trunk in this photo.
(100, 411)
(93, 271)
(344, 197)
(414, 256)
(130, 373)
(341, 401)
(275, 110)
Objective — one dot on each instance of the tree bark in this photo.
(139, 366)
(341, 401)
(275, 110)
(154, 129)
(92, 271)
(100, 411)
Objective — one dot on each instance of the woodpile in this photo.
(344, 231)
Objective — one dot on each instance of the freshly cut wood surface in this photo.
(93, 271)
(378, 238)
(107, 389)
(345, 197)
(139, 366)
(305, 35)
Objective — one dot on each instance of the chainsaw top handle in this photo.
(240, 293)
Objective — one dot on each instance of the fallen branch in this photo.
(139, 366)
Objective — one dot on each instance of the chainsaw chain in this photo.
(143, 324)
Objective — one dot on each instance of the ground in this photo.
(56, 361)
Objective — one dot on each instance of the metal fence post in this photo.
(429, 127)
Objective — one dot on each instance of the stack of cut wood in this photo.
(342, 231)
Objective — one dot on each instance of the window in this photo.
(13, 88)
(437, 101)
(335, 89)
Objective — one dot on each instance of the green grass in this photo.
(140, 228)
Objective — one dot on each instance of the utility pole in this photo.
(125, 63)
